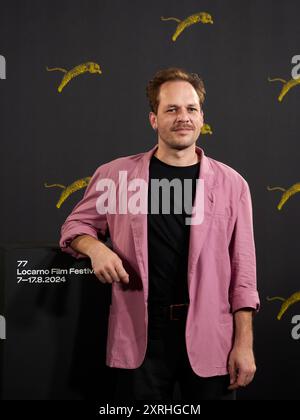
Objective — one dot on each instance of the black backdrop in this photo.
(51, 137)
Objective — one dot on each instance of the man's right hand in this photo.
(107, 265)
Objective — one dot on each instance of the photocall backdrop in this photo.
(72, 85)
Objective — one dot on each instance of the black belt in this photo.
(174, 312)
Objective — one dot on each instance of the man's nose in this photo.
(183, 115)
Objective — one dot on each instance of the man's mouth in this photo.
(183, 129)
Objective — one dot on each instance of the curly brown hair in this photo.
(172, 73)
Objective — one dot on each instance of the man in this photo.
(183, 288)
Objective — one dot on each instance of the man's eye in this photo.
(193, 109)
(171, 110)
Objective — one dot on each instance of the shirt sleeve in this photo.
(243, 287)
(84, 219)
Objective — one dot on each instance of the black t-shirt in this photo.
(168, 234)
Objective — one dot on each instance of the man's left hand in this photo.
(241, 366)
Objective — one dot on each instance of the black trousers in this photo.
(166, 364)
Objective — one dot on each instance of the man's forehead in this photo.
(177, 101)
(170, 104)
(170, 92)
(175, 85)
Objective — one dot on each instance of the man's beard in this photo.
(177, 145)
(180, 146)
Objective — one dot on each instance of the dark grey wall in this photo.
(57, 138)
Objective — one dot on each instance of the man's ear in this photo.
(153, 120)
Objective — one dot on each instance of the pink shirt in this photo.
(221, 263)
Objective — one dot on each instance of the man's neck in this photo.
(176, 160)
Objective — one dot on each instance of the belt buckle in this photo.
(171, 311)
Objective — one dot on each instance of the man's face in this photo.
(179, 117)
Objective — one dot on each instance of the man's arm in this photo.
(87, 245)
(244, 297)
(241, 363)
(84, 219)
(82, 230)
(243, 290)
